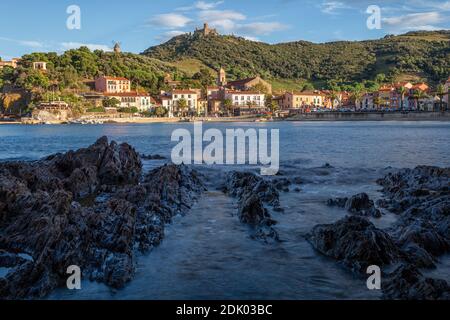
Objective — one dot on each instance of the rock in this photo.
(424, 235)
(239, 183)
(152, 157)
(251, 211)
(407, 283)
(89, 208)
(252, 192)
(355, 242)
(360, 204)
(418, 256)
(422, 199)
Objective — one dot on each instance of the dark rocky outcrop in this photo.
(91, 208)
(252, 192)
(355, 242)
(359, 204)
(421, 198)
(407, 283)
(152, 157)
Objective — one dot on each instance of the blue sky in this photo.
(29, 26)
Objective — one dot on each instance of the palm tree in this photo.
(333, 97)
(228, 106)
(356, 96)
(440, 92)
(376, 102)
(402, 92)
(182, 106)
(418, 95)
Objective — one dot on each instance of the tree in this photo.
(110, 103)
(36, 79)
(259, 87)
(228, 106)
(271, 104)
(182, 106)
(440, 91)
(356, 96)
(402, 92)
(204, 77)
(376, 102)
(380, 78)
(418, 95)
(160, 111)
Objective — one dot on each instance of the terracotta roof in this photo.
(127, 94)
(306, 93)
(240, 82)
(243, 92)
(183, 92)
(115, 78)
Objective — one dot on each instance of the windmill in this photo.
(116, 46)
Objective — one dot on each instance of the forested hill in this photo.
(421, 55)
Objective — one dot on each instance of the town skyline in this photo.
(274, 21)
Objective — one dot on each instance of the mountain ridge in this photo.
(422, 54)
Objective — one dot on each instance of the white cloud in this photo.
(91, 46)
(251, 38)
(201, 5)
(170, 20)
(414, 21)
(25, 43)
(226, 21)
(217, 15)
(331, 7)
(169, 34)
(261, 28)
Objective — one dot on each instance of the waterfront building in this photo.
(298, 100)
(107, 84)
(246, 99)
(171, 101)
(141, 101)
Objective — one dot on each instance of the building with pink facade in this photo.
(112, 84)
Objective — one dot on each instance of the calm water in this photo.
(208, 254)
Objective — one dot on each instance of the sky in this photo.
(41, 26)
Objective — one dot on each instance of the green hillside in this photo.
(415, 55)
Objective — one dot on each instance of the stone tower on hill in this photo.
(206, 31)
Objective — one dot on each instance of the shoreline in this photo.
(308, 117)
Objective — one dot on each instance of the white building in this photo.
(141, 101)
(250, 99)
(170, 101)
(367, 102)
(40, 65)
